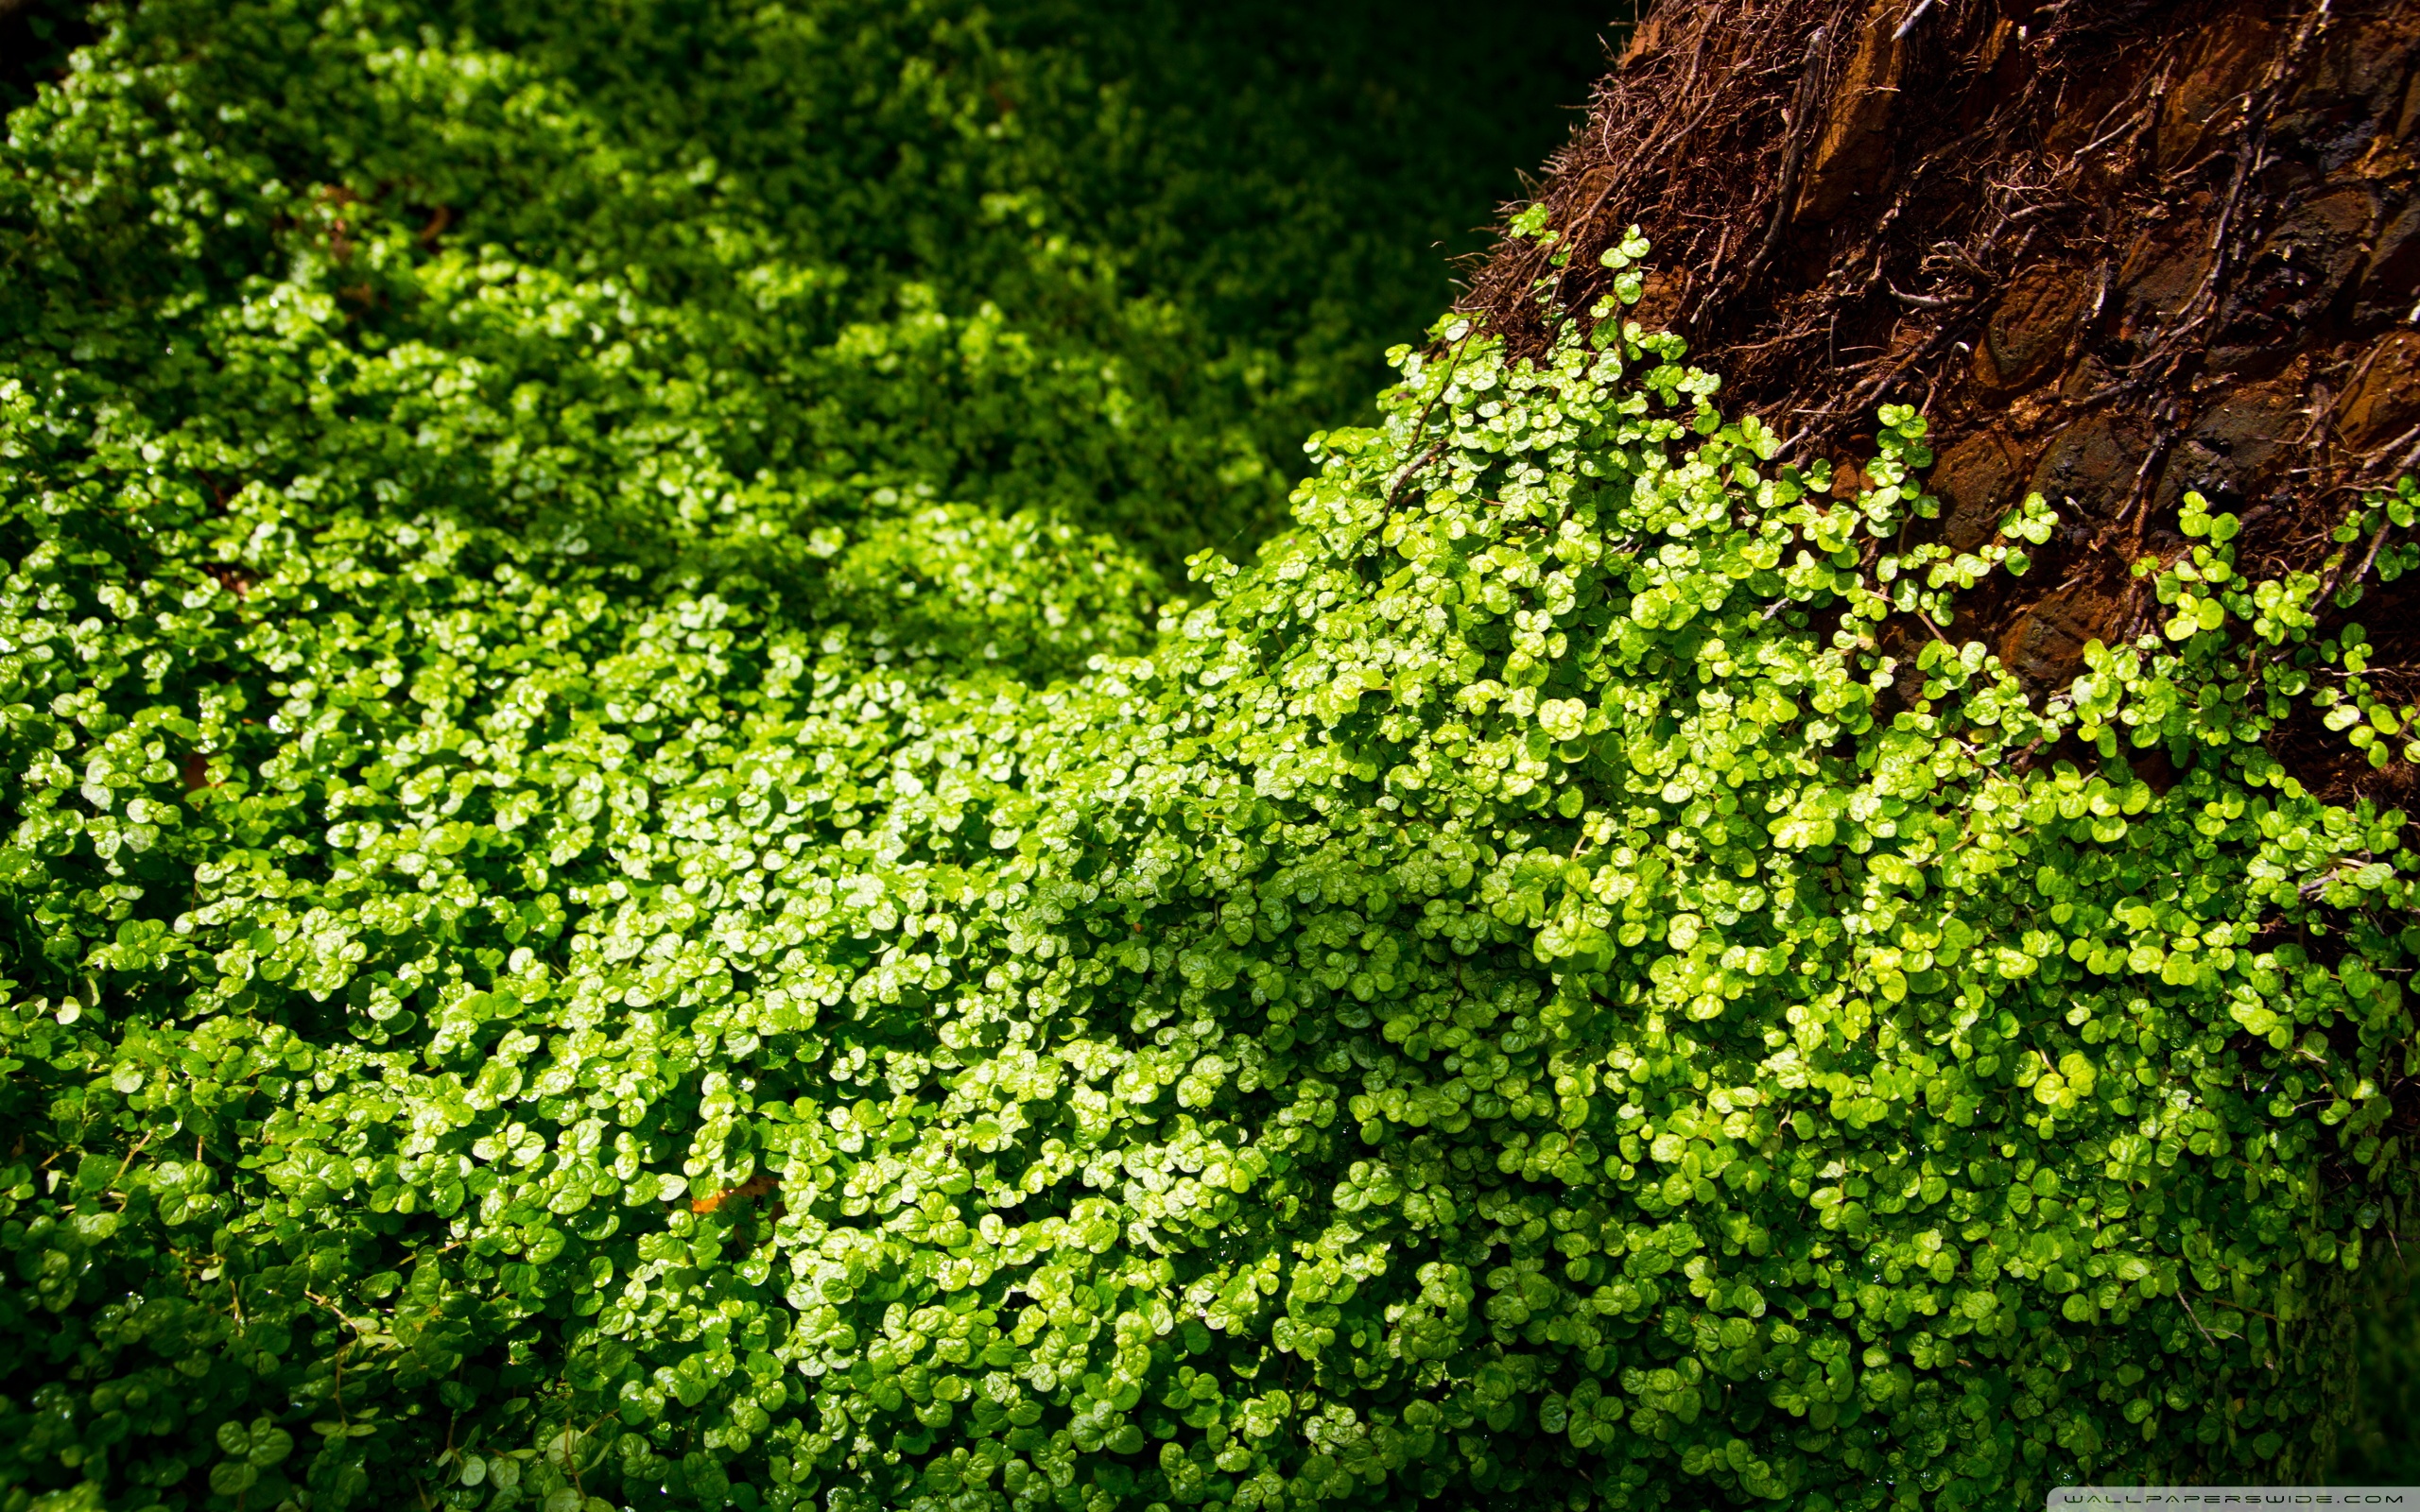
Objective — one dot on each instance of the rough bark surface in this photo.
(2115, 250)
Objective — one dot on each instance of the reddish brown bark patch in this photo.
(2114, 251)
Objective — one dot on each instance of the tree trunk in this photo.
(2114, 251)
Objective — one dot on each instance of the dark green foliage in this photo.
(2381, 1443)
(713, 272)
(615, 900)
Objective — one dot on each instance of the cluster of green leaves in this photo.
(1517, 993)
(2328, 671)
(611, 901)
(661, 275)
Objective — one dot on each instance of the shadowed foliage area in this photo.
(1110, 264)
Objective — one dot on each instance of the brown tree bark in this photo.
(2116, 251)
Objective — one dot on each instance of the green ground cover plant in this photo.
(668, 274)
(629, 886)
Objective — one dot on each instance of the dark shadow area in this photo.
(1396, 130)
(36, 37)
(2381, 1445)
